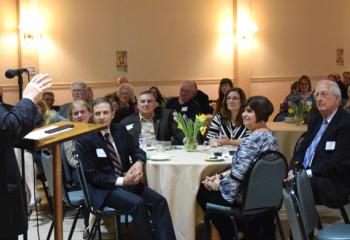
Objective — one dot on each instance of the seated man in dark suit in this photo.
(184, 103)
(325, 151)
(152, 122)
(116, 182)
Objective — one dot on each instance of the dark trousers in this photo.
(139, 201)
(261, 227)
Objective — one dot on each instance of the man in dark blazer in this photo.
(14, 125)
(162, 125)
(328, 165)
(118, 185)
(184, 103)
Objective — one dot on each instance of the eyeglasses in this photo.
(322, 94)
(234, 98)
(77, 90)
(146, 101)
(77, 113)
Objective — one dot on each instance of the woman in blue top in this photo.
(225, 188)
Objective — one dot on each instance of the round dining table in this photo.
(287, 135)
(176, 174)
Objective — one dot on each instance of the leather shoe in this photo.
(86, 233)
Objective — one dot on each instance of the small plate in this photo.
(160, 158)
(214, 159)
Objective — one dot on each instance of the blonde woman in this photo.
(126, 95)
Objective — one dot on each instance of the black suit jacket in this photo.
(14, 125)
(190, 108)
(331, 166)
(165, 128)
(98, 167)
(203, 101)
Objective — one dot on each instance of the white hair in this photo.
(333, 86)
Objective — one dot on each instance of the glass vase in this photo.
(191, 145)
(298, 120)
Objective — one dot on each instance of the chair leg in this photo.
(344, 215)
(207, 226)
(279, 225)
(50, 231)
(118, 227)
(235, 228)
(74, 223)
(95, 227)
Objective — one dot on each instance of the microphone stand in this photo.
(23, 180)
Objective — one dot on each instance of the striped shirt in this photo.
(218, 128)
(249, 150)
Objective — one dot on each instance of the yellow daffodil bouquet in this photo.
(191, 128)
(299, 109)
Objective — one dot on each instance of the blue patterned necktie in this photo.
(311, 149)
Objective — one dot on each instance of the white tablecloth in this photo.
(178, 181)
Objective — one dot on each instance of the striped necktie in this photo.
(114, 157)
(311, 149)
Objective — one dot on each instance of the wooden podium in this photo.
(39, 139)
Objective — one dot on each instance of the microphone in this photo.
(11, 73)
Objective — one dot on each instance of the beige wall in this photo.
(172, 41)
(167, 41)
(295, 38)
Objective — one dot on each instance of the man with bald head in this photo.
(184, 103)
(122, 80)
(324, 152)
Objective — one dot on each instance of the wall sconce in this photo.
(246, 31)
(31, 25)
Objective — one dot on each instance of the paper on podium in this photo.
(42, 133)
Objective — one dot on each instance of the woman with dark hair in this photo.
(227, 124)
(302, 96)
(157, 95)
(226, 188)
(225, 85)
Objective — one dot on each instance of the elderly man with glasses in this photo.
(324, 151)
(78, 93)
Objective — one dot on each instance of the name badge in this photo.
(100, 152)
(184, 109)
(330, 145)
(130, 126)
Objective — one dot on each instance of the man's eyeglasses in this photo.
(322, 94)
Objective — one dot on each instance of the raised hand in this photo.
(37, 86)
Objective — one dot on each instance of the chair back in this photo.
(84, 186)
(265, 182)
(306, 200)
(47, 161)
(291, 203)
(66, 168)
